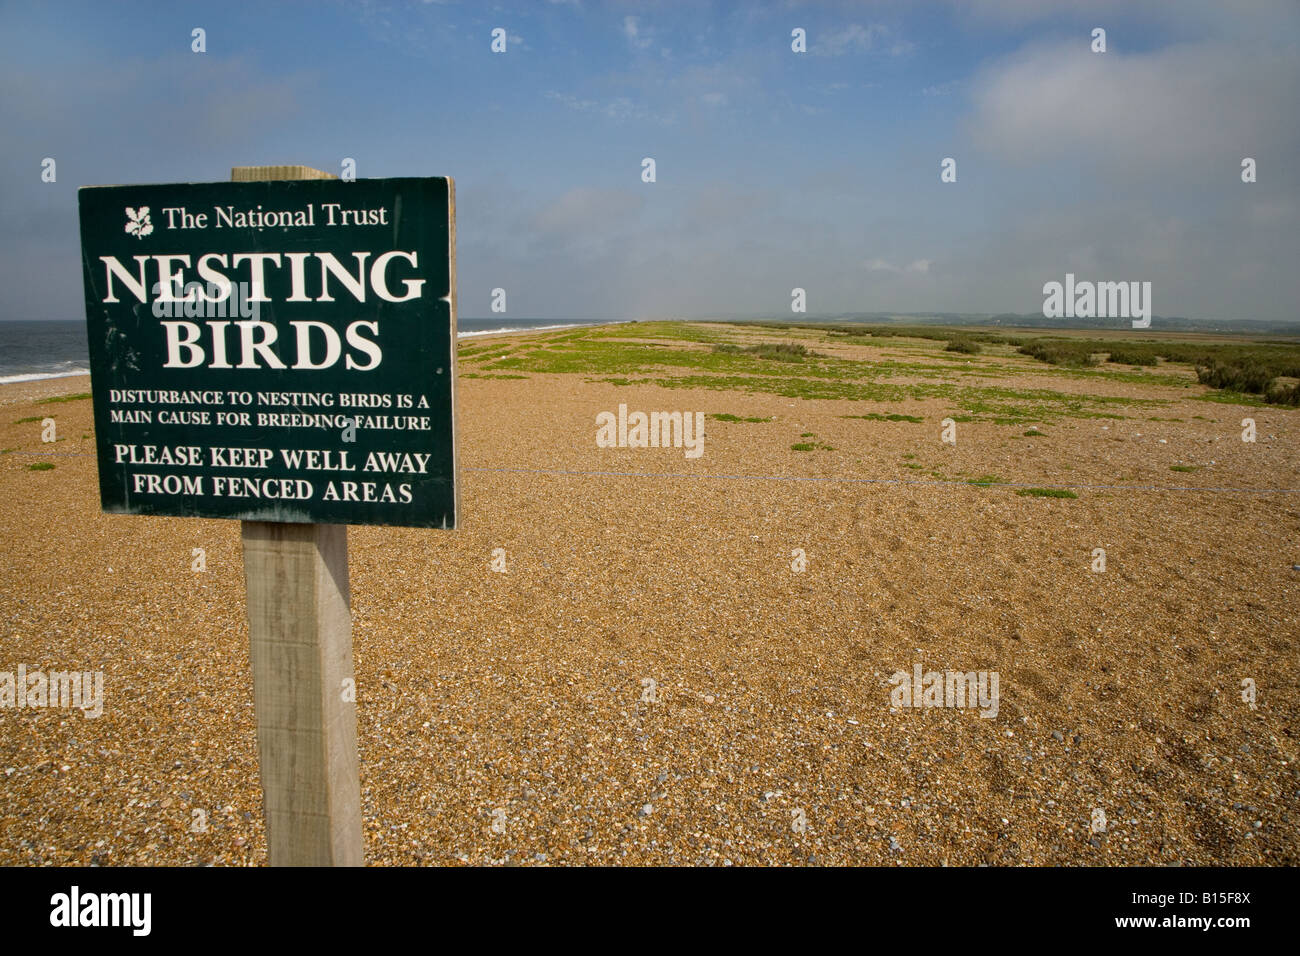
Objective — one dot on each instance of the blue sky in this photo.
(774, 169)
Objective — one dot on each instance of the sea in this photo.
(31, 350)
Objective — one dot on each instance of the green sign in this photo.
(274, 351)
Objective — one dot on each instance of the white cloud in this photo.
(855, 38)
(617, 108)
(1165, 110)
(941, 89)
(635, 35)
(1216, 17)
(1026, 11)
(881, 265)
(571, 101)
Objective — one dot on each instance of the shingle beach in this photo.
(652, 681)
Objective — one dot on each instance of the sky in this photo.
(774, 169)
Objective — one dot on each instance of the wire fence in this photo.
(573, 473)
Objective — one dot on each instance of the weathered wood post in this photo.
(300, 642)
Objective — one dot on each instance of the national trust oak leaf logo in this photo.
(137, 222)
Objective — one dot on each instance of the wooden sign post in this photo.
(281, 350)
(300, 642)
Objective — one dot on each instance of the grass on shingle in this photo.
(810, 445)
(1046, 493)
(678, 355)
(963, 345)
(776, 351)
(892, 417)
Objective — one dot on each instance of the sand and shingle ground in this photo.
(525, 691)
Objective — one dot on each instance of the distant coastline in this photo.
(41, 376)
(34, 350)
(464, 333)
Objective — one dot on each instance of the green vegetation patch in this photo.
(1229, 397)
(1249, 368)
(1046, 493)
(775, 351)
(1077, 353)
(1127, 355)
(486, 353)
(675, 331)
(933, 333)
(611, 355)
(1269, 368)
(40, 466)
(80, 396)
(724, 417)
(892, 417)
(810, 445)
(616, 380)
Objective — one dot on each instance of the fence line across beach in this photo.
(831, 479)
